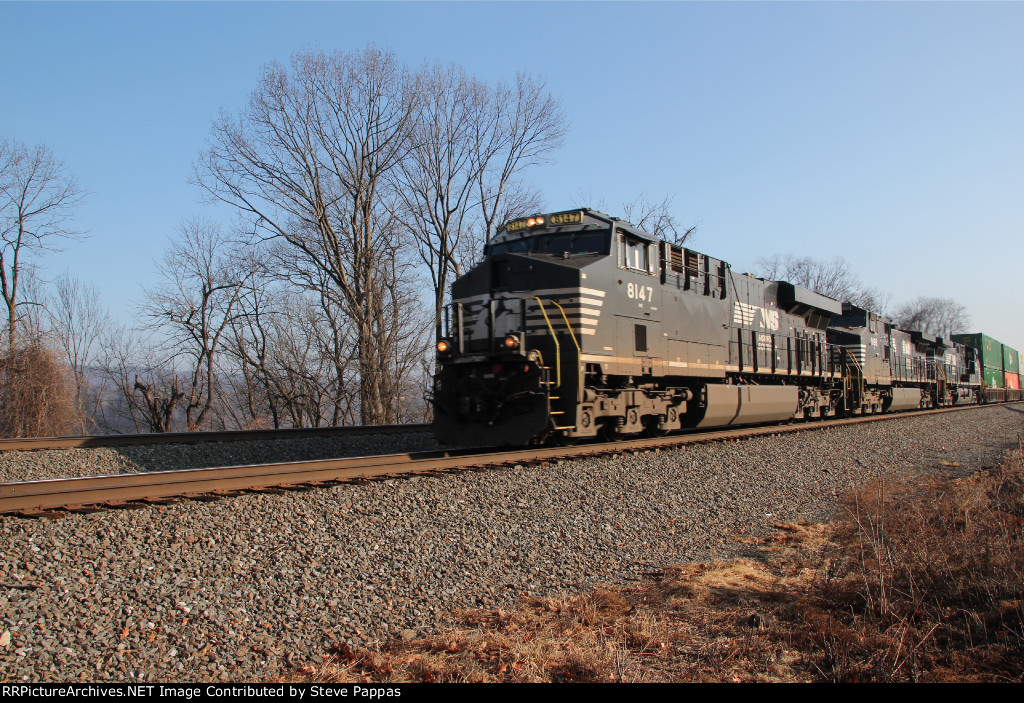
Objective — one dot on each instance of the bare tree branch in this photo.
(939, 316)
(523, 127)
(656, 218)
(37, 198)
(830, 278)
(307, 162)
(202, 276)
(77, 326)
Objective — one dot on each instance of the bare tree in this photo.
(523, 125)
(293, 355)
(409, 344)
(470, 146)
(77, 325)
(306, 162)
(37, 198)
(146, 390)
(160, 398)
(656, 218)
(829, 278)
(33, 316)
(256, 387)
(202, 277)
(437, 181)
(939, 316)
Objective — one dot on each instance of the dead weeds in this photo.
(915, 583)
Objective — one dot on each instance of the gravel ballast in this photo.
(243, 588)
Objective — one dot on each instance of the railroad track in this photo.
(40, 499)
(21, 444)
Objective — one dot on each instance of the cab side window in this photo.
(634, 253)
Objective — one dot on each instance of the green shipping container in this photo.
(1011, 360)
(993, 378)
(990, 351)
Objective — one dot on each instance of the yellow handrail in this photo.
(558, 354)
(860, 371)
(579, 360)
(567, 325)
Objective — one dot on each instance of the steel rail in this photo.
(127, 440)
(30, 497)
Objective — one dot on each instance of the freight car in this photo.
(999, 366)
(577, 324)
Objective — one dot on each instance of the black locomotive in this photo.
(577, 324)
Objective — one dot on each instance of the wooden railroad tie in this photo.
(124, 505)
(41, 514)
(83, 509)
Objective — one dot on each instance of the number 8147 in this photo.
(638, 292)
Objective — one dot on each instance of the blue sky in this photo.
(891, 134)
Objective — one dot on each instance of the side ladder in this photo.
(853, 382)
(546, 381)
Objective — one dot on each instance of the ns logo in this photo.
(745, 314)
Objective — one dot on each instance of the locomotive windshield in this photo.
(558, 244)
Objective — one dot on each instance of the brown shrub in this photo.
(37, 394)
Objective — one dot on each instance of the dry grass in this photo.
(927, 582)
(916, 583)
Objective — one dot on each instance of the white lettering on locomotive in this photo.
(744, 314)
(769, 319)
(636, 291)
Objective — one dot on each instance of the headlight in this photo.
(510, 342)
(444, 346)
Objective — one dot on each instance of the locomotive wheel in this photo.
(560, 440)
(651, 429)
(609, 433)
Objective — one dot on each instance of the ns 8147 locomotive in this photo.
(577, 324)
